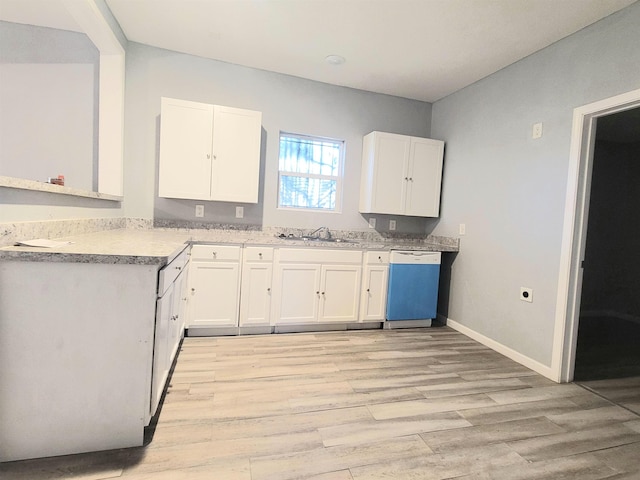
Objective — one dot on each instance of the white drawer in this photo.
(258, 254)
(215, 253)
(318, 255)
(376, 258)
(169, 273)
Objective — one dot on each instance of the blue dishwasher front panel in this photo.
(413, 291)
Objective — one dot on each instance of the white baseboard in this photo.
(534, 365)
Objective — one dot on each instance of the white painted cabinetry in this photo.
(374, 286)
(209, 152)
(169, 329)
(214, 286)
(255, 288)
(312, 286)
(401, 175)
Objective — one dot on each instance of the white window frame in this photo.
(337, 178)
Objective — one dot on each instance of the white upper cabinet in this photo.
(401, 175)
(209, 152)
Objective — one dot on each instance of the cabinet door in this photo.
(339, 293)
(213, 294)
(236, 155)
(390, 158)
(255, 294)
(425, 177)
(374, 293)
(296, 294)
(161, 348)
(176, 324)
(185, 149)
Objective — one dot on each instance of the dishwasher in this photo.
(412, 296)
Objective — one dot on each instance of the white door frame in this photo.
(574, 231)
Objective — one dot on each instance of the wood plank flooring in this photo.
(356, 405)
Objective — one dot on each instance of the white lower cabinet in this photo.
(374, 286)
(214, 286)
(313, 286)
(169, 329)
(255, 287)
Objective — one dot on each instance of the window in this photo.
(310, 172)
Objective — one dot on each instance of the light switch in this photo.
(462, 229)
(392, 224)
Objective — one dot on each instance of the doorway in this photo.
(608, 342)
(574, 235)
(597, 315)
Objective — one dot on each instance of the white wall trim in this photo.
(574, 228)
(503, 349)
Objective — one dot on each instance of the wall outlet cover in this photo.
(372, 222)
(392, 224)
(537, 130)
(199, 210)
(239, 212)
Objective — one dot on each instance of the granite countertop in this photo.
(160, 245)
(122, 246)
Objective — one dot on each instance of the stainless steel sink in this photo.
(306, 238)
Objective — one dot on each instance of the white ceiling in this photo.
(418, 49)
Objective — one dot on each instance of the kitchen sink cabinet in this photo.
(339, 287)
(255, 288)
(374, 286)
(209, 152)
(316, 286)
(214, 286)
(401, 175)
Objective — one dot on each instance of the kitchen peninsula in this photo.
(84, 354)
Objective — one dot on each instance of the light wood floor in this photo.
(404, 404)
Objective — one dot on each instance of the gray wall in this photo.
(611, 279)
(509, 190)
(287, 104)
(48, 100)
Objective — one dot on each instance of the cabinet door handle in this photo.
(260, 255)
(269, 290)
(406, 178)
(318, 292)
(411, 179)
(193, 290)
(178, 268)
(368, 290)
(215, 254)
(208, 156)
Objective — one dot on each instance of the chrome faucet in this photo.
(326, 236)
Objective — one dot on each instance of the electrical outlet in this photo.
(526, 294)
(537, 130)
(239, 212)
(462, 229)
(392, 224)
(199, 210)
(372, 222)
